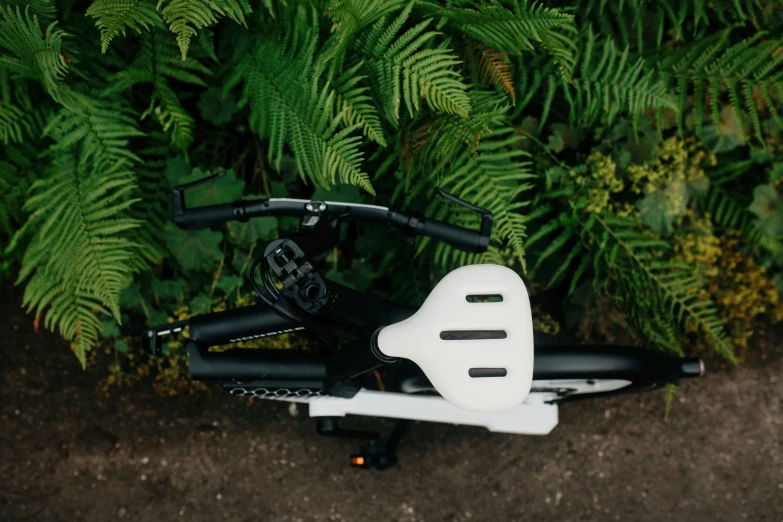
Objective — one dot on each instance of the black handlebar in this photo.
(242, 210)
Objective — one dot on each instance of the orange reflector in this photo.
(358, 461)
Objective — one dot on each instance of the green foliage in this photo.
(290, 104)
(158, 63)
(557, 117)
(113, 17)
(405, 66)
(744, 71)
(185, 16)
(80, 256)
(496, 180)
(35, 52)
(524, 28)
(607, 82)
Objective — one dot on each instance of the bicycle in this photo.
(468, 355)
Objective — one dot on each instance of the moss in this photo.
(737, 285)
(544, 322)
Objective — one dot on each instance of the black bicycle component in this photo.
(205, 216)
(314, 212)
(229, 326)
(289, 263)
(150, 339)
(253, 366)
(330, 427)
(613, 362)
(333, 311)
(486, 216)
(376, 454)
(380, 455)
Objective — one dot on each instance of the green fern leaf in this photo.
(667, 288)
(35, 53)
(13, 124)
(409, 68)
(713, 66)
(185, 16)
(113, 17)
(730, 213)
(606, 83)
(497, 180)
(290, 105)
(74, 313)
(356, 105)
(81, 239)
(351, 16)
(434, 143)
(520, 29)
(157, 63)
(101, 131)
(44, 9)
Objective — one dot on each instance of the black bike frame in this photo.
(356, 316)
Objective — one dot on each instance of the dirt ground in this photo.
(67, 454)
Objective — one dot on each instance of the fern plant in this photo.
(744, 71)
(556, 117)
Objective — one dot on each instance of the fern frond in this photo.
(172, 116)
(496, 180)
(641, 22)
(81, 238)
(185, 16)
(351, 16)
(19, 168)
(434, 143)
(13, 124)
(713, 66)
(654, 290)
(290, 105)
(75, 313)
(668, 401)
(660, 298)
(410, 67)
(606, 83)
(727, 212)
(153, 205)
(101, 130)
(157, 62)
(113, 17)
(356, 105)
(514, 31)
(35, 53)
(42, 8)
(490, 66)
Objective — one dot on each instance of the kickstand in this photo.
(376, 454)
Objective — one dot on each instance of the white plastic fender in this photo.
(534, 417)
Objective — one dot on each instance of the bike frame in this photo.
(331, 382)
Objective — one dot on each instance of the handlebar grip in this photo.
(458, 237)
(204, 217)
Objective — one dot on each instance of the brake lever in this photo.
(178, 192)
(486, 215)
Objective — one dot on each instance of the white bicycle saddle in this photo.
(472, 337)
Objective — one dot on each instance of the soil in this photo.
(69, 454)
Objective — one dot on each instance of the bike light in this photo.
(472, 337)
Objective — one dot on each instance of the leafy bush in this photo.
(628, 150)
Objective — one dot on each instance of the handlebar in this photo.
(242, 210)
